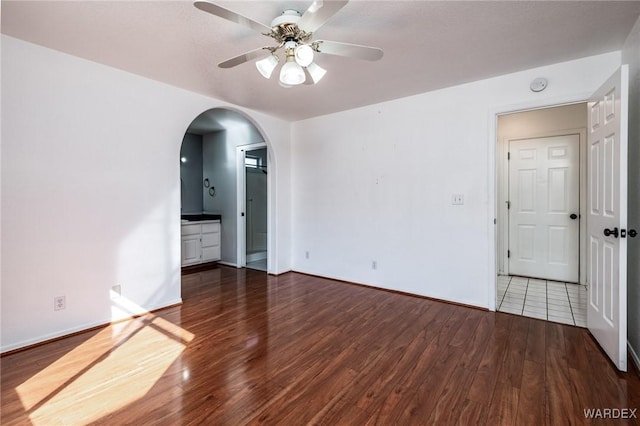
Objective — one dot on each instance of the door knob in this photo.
(573, 216)
(608, 232)
(632, 233)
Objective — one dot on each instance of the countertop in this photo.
(200, 217)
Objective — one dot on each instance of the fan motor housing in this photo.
(289, 16)
(285, 28)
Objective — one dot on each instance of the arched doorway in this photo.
(210, 171)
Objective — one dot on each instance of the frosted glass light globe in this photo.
(316, 72)
(267, 65)
(292, 74)
(304, 55)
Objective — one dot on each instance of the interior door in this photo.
(544, 212)
(607, 220)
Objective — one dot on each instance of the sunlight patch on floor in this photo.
(96, 378)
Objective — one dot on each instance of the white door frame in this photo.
(241, 190)
(492, 184)
(502, 193)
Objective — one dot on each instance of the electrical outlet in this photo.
(306, 254)
(59, 303)
(457, 199)
(374, 265)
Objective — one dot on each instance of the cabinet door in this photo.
(191, 249)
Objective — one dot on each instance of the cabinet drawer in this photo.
(191, 229)
(210, 253)
(210, 227)
(211, 239)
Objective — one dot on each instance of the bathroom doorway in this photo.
(217, 189)
(253, 193)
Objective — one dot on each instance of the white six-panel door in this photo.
(607, 216)
(544, 217)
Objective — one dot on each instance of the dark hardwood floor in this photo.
(247, 348)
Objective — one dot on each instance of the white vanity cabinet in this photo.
(200, 242)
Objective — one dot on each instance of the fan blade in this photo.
(318, 13)
(351, 50)
(229, 15)
(245, 57)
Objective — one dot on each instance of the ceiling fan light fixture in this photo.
(304, 55)
(316, 72)
(293, 31)
(267, 65)
(291, 73)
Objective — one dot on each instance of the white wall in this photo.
(631, 56)
(191, 174)
(542, 121)
(90, 187)
(90, 191)
(375, 183)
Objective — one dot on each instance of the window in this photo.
(253, 162)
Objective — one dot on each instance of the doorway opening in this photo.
(255, 207)
(212, 224)
(604, 269)
(541, 200)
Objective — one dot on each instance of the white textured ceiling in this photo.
(427, 44)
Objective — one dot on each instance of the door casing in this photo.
(492, 201)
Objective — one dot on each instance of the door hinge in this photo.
(508, 205)
(508, 156)
(508, 254)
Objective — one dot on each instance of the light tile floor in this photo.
(548, 300)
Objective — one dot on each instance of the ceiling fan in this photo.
(293, 32)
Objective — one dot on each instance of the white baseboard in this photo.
(72, 330)
(220, 262)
